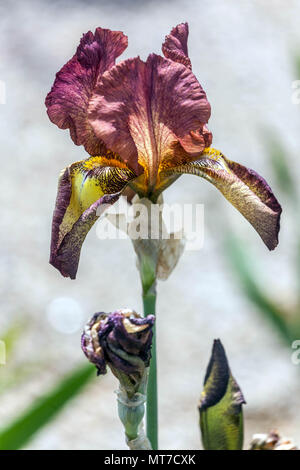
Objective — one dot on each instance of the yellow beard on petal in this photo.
(85, 191)
(111, 159)
(90, 180)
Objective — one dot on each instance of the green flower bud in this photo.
(220, 407)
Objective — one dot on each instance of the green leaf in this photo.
(221, 415)
(11, 336)
(240, 260)
(9, 341)
(23, 428)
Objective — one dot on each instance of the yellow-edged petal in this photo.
(247, 191)
(82, 188)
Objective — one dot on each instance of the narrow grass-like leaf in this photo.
(23, 428)
(240, 261)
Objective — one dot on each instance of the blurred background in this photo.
(245, 56)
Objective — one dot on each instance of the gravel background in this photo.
(242, 55)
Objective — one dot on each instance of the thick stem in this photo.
(149, 299)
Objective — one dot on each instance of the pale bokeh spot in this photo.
(65, 315)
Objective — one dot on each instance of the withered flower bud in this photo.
(271, 441)
(121, 340)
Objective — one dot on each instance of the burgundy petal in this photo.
(243, 187)
(66, 257)
(143, 108)
(68, 100)
(191, 142)
(175, 45)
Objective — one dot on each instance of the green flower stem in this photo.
(131, 411)
(149, 299)
(148, 251)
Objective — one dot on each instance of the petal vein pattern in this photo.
(142, 109)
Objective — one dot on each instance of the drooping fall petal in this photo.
(85, 190)
(243, 187)
(175, 45)
(144, 109)
(68, 100)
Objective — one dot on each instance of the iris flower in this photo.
(143, 124)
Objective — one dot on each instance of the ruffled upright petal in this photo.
(175, 48)
(243, 187)
(175, 45)
(67, 103)
(145, 109)
(85, 190)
